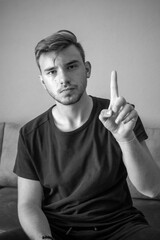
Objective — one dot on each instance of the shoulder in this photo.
(36, 124)
(101, 103)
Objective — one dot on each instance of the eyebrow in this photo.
(50, 69)
(66, 64)
(71, 62)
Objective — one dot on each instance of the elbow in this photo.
(150, 194)
(153, 192)
(150, 187)
(156, 194)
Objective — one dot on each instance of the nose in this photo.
(64, 78)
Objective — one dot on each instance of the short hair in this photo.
(57, 42)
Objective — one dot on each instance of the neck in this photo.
(70, 117)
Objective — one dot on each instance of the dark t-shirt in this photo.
(82, 172)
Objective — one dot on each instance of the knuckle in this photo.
(134, 112)
(130, 107)
(122, 100)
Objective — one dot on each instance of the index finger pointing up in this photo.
(114, 86)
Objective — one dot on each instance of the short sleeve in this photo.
(139, 131)
(24, 166)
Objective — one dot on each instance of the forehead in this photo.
(66, 55)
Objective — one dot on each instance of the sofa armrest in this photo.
(151, 210)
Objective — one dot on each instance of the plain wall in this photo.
(116, 34)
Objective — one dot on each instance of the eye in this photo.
(72, 66)
(52, 72)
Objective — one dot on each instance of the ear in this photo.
(42, 81)
(88, 69)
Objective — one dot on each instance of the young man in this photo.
(73, 160)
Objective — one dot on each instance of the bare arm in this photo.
(142, 170)
(120, 119)
(31, 216)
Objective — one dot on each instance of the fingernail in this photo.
(106, 113)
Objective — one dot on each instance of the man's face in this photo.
(64, 75)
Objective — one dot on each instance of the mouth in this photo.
(67, 89)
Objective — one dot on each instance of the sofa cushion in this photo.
(9, 150)
(8, 209)
(153, 143)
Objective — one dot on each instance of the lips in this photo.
(67, 89)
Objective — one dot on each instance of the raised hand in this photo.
(120, 118)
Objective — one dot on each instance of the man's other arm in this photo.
(142, 170)
(31, 216)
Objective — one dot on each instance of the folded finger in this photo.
(124, 113)
(131, 117)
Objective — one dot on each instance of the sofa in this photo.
(8, 180)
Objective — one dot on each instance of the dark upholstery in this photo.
(151, 210)
(8, 209)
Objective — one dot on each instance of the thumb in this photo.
(108, 119)
(105, 114)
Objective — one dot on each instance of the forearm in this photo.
(33, 221)
(142, 169)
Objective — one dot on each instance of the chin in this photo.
(69, 100)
